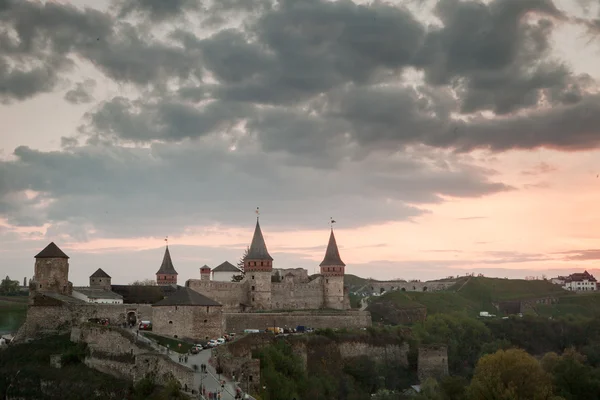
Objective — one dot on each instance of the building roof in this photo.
(258, 248)
(186, 297)
(332, 254)
(140, 294)
(226, 267)
(99, 274)
(93, 293)
(51, 251)
(580, 276)
(167, 265)
(205, 267)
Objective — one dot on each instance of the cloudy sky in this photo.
(444, 137)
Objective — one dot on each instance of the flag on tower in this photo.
(257, 211)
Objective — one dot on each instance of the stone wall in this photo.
(289, 295)
(117, 352)
(52, 274)
(49, 319)
(382, 353)
(237, 322)
(433, 362)
(193, 322)
(229, 294)
(431, 286)
(296, 275)
(163, 369)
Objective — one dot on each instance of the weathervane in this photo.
(331, 222)
(257, 213)
(167, 240)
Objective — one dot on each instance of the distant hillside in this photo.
(471, 295)
(354, 282)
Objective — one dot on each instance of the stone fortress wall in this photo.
(47, 316)
(433, 362)
(237, 322)
(388, 286)
(294, 294)
(118, 353)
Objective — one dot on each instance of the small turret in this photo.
(205, 273)
(100, 280)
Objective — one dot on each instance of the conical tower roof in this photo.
(332, 255)
(258, 248)
(51, 251)
(167, 265)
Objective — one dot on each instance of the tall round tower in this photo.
(52, 271)
(258, 265)
(332, 270)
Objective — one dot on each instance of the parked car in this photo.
(212, 343)
(145, 326)
(196, 349)
(220, 341)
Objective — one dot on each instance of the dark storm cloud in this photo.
(156, 10)
(497, 60)
(168, 120)
(39, 41)
(82, 93)
(125, 191)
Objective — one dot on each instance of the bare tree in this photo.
(145, 282)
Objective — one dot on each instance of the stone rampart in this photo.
(289, 295)
(388, 286)
(238, 322)
(388, 352)
(163, 369)
(231, 295)
(433, 362)
(42, 320)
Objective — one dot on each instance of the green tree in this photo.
(573, 379)
(8, 286)
(144, 282)
(510, 375)
(464, 337)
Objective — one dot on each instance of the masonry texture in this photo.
(193, 322)
(238, 322)
(48, 316)
(433, 362)
(117, 352)
(236, 358)
(388, 286)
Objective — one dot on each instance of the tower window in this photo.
(207, 310)
(252, 287)
(171, 322)
(326, 280)
(252, 278)
(205, 321)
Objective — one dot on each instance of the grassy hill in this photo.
(475, 294)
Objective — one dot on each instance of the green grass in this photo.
(172, 342)
(498, 289)
(14, 302)
(584, 305)
(475, 294)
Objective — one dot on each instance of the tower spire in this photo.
(257, 213)
(332, 254)
(258, 248)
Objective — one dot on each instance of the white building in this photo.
(225, 272)
(579, 282)
(95, 295)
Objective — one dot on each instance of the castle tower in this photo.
(258, 266)
(166, 275)
(332, 270)
(100, 280)
(205, 273)
(52, 271)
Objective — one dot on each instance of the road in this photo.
(210, 380)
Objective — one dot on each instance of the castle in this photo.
(261, 289)
(203, 308)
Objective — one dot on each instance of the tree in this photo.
(145, 282)
(510, 374)
(240, 263)
(573, 379)
(8, 286)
